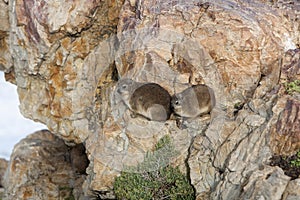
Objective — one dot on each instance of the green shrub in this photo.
(296, 161)
(66, 192)
(154, 178)
(292, 87)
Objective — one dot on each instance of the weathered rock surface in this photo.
(3, 167)
(285, 134)
(40, 168)
(292, 191)
(5, 58)
(51, 41)
(68, 57)
(261, 184)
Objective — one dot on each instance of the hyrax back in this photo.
(147, 99)
(194, 101)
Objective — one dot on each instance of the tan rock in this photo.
(5, 57)
(292, 191)
(269, 183)
(56, 43)
(40, 168)
(285, 138)
(290, 70)
(3, 167)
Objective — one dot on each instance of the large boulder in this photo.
(41, 167)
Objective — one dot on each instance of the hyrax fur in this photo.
(149, 100)
(194, 101)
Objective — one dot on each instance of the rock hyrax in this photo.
(194, 101)
(147, 99)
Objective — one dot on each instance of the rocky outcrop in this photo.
(51, 41)
(3, 167)
(5, 57)
(40, 168)
(67, 59)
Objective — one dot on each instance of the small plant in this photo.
(292, 87)
(155, 179)
(66, 192)
(289, 164)
(296, 161)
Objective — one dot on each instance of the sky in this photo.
(13, 126)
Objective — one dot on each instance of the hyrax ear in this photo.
(174, 99)
(178, 96)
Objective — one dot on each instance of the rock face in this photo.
(40, 168)
(5, 57)
(66, 59)
(3, 167)
(51, 41)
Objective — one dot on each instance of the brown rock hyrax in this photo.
(149, 100)
(194, 101)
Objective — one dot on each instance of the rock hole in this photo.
(115, 73)
(268, 176)
(262, 77)
(221, 171)
(237, 107)
(79, 159)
